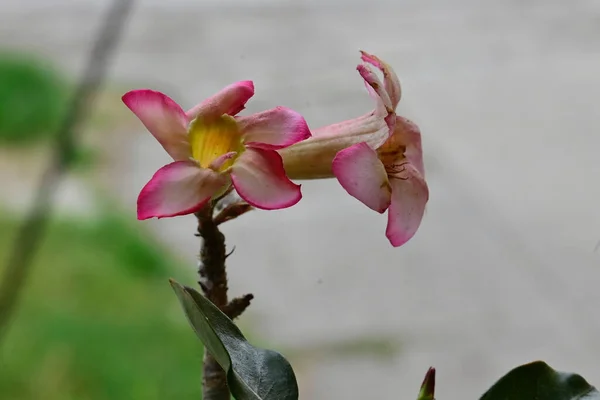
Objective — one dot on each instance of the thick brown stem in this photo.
(213, 276)
(214, 380)
(213, 281)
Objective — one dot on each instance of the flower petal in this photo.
(409, 197)
(312, 158)
(259, 178)
(273, 129)
(163, 117)
(230, 100)
(179, 188)
(373, 82)
(360, 172)
(390, 79)
(410, 135)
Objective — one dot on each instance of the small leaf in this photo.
(427, 391)
(252, 373)
(537, 381)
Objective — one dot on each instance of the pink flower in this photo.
(212, 148)
(377, 158)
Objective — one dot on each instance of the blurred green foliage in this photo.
(33, 98)
(98, 319)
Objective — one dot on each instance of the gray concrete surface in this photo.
(504, 269)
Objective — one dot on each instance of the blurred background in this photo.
(504, 269)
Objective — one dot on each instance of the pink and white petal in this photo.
(273, 129)
(163, 117)
(313, 158)
(410, 135)
(372, 80)
(179, 188)
(259, 178)
(230, 100)
(409, 197)
(383, 108)
(372, 128)
(390, 79)
(360, 172)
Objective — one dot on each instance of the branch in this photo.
(213, 276)
(237, 306)
(213, 282)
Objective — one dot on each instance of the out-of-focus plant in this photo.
(94, 322)
(64, 146)
(33, 98)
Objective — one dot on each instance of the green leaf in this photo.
(201, 325)
(537, 381)
(252, 373)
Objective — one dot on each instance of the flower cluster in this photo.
(377, 157)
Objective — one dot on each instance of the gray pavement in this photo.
(503, 270)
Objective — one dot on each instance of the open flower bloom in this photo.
(377, 157)
(212, 148)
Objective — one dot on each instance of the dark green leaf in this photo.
(252, 373)
(537, 381)
(202, 326)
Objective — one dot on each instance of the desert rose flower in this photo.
(213, 148)
(377, 158)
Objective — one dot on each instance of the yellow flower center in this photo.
(211, 139)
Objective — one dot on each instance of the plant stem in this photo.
(213, 282)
